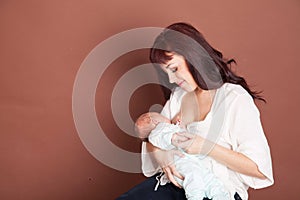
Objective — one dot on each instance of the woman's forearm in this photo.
(236, 161)
(150, 147)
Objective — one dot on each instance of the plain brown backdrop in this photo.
(43, 43)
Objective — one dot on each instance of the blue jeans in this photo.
(145, 191)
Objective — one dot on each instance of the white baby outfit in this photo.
(199, 181)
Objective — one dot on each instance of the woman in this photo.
(234, 147)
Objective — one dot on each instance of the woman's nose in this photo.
(172, 77)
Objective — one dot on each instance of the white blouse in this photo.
(233, 122)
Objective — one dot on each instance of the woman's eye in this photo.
(174, 69)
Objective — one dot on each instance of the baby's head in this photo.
(147, 122)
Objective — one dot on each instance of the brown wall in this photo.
(43, 43)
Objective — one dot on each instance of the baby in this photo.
(199, 182)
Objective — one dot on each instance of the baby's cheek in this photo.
(142, 122)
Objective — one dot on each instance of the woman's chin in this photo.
(187, 88)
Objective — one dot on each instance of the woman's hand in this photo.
(165, 159)
(190, 143)
(195, 144)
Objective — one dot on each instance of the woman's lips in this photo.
(180, 83)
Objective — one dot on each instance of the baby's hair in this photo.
(140, 129)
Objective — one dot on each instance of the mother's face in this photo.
(179, 73)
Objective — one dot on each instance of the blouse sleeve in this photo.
(249, 139)
(149, 166)
(172, 106)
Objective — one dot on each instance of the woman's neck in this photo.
(207, 94)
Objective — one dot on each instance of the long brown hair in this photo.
(206, 64)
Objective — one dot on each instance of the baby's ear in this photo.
(154, 121)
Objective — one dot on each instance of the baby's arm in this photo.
(157, 129)
(161, 135)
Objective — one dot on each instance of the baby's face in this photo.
(147, 122)
(144, 125)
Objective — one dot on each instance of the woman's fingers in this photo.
(180, 137)
(175, 172)
(192, 146)
(184, 144)
(166, 162)
(171, 177)
(176, 138)
(178, 153)
(171, 170)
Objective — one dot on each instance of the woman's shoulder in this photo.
(234, 89)
(231, 93)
